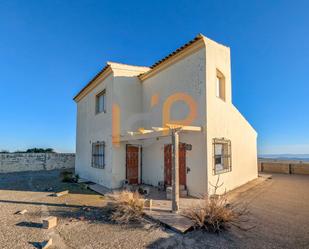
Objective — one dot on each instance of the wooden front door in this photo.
(168, 164)
(132, 164)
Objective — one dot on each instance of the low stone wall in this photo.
(289, 167)
(16, 162)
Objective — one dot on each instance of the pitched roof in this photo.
(152, 68)
(109, 67)
(172, 54)
(104, 69)
(198, 37)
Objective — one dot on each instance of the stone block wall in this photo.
(288, 167)
(16, 162)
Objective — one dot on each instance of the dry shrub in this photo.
(214, 214)
(128, 207)
(68, 176)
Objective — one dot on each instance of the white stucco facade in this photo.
(184, 83)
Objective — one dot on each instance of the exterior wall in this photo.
(186, 76)
(302, 169)
(127, 94)
(153, 160)
(224, 120)
(276, 168)
(16, 162)
(123, 89)
(92, 127)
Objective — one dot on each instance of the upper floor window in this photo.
(220, 85)
(100, 100)
(98, 155)
(222, 156)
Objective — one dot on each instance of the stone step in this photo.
(182, 193)
(181, 187)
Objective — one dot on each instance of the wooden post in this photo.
(175, 170)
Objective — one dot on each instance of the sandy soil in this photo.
(279, 213)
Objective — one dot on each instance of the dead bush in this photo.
(68, 176)
(215, 214)
(128, 207)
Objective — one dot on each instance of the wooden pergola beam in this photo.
(184, 127)
(173, 130)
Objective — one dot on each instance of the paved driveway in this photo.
(279, 211)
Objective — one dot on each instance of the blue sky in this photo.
(50, 49)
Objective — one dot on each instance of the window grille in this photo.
(98, 155)
(222, 156)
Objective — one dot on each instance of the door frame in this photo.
(185, 162)
(139, 166)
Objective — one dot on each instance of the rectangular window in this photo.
(220, 85)
(98, 155)
(222, 156)
(100, 102)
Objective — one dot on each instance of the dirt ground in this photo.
(279, 213)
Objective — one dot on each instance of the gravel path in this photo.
(279, 211)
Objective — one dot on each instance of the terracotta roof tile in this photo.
(198, 37)
(93, 79)
(156, 64)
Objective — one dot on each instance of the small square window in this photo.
(100, 102)
(222, 156)
(98, 155)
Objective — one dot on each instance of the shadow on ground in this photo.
(40, 181)
(35, 244)
(96, 215)
(29, 224)
(195, 239)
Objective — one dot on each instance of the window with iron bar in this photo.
(98, 155)
(222, 156)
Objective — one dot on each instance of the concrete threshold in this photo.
(174, 221)
(99, 189)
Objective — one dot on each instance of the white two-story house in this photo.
(123, 114)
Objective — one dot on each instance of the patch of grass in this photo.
(128, 207)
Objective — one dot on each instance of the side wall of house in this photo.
(224, 120)
(182, 80)
(127, 95)
(92, 127)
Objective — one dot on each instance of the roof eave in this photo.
(103, 74)
(110, 66)
(187, 49)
